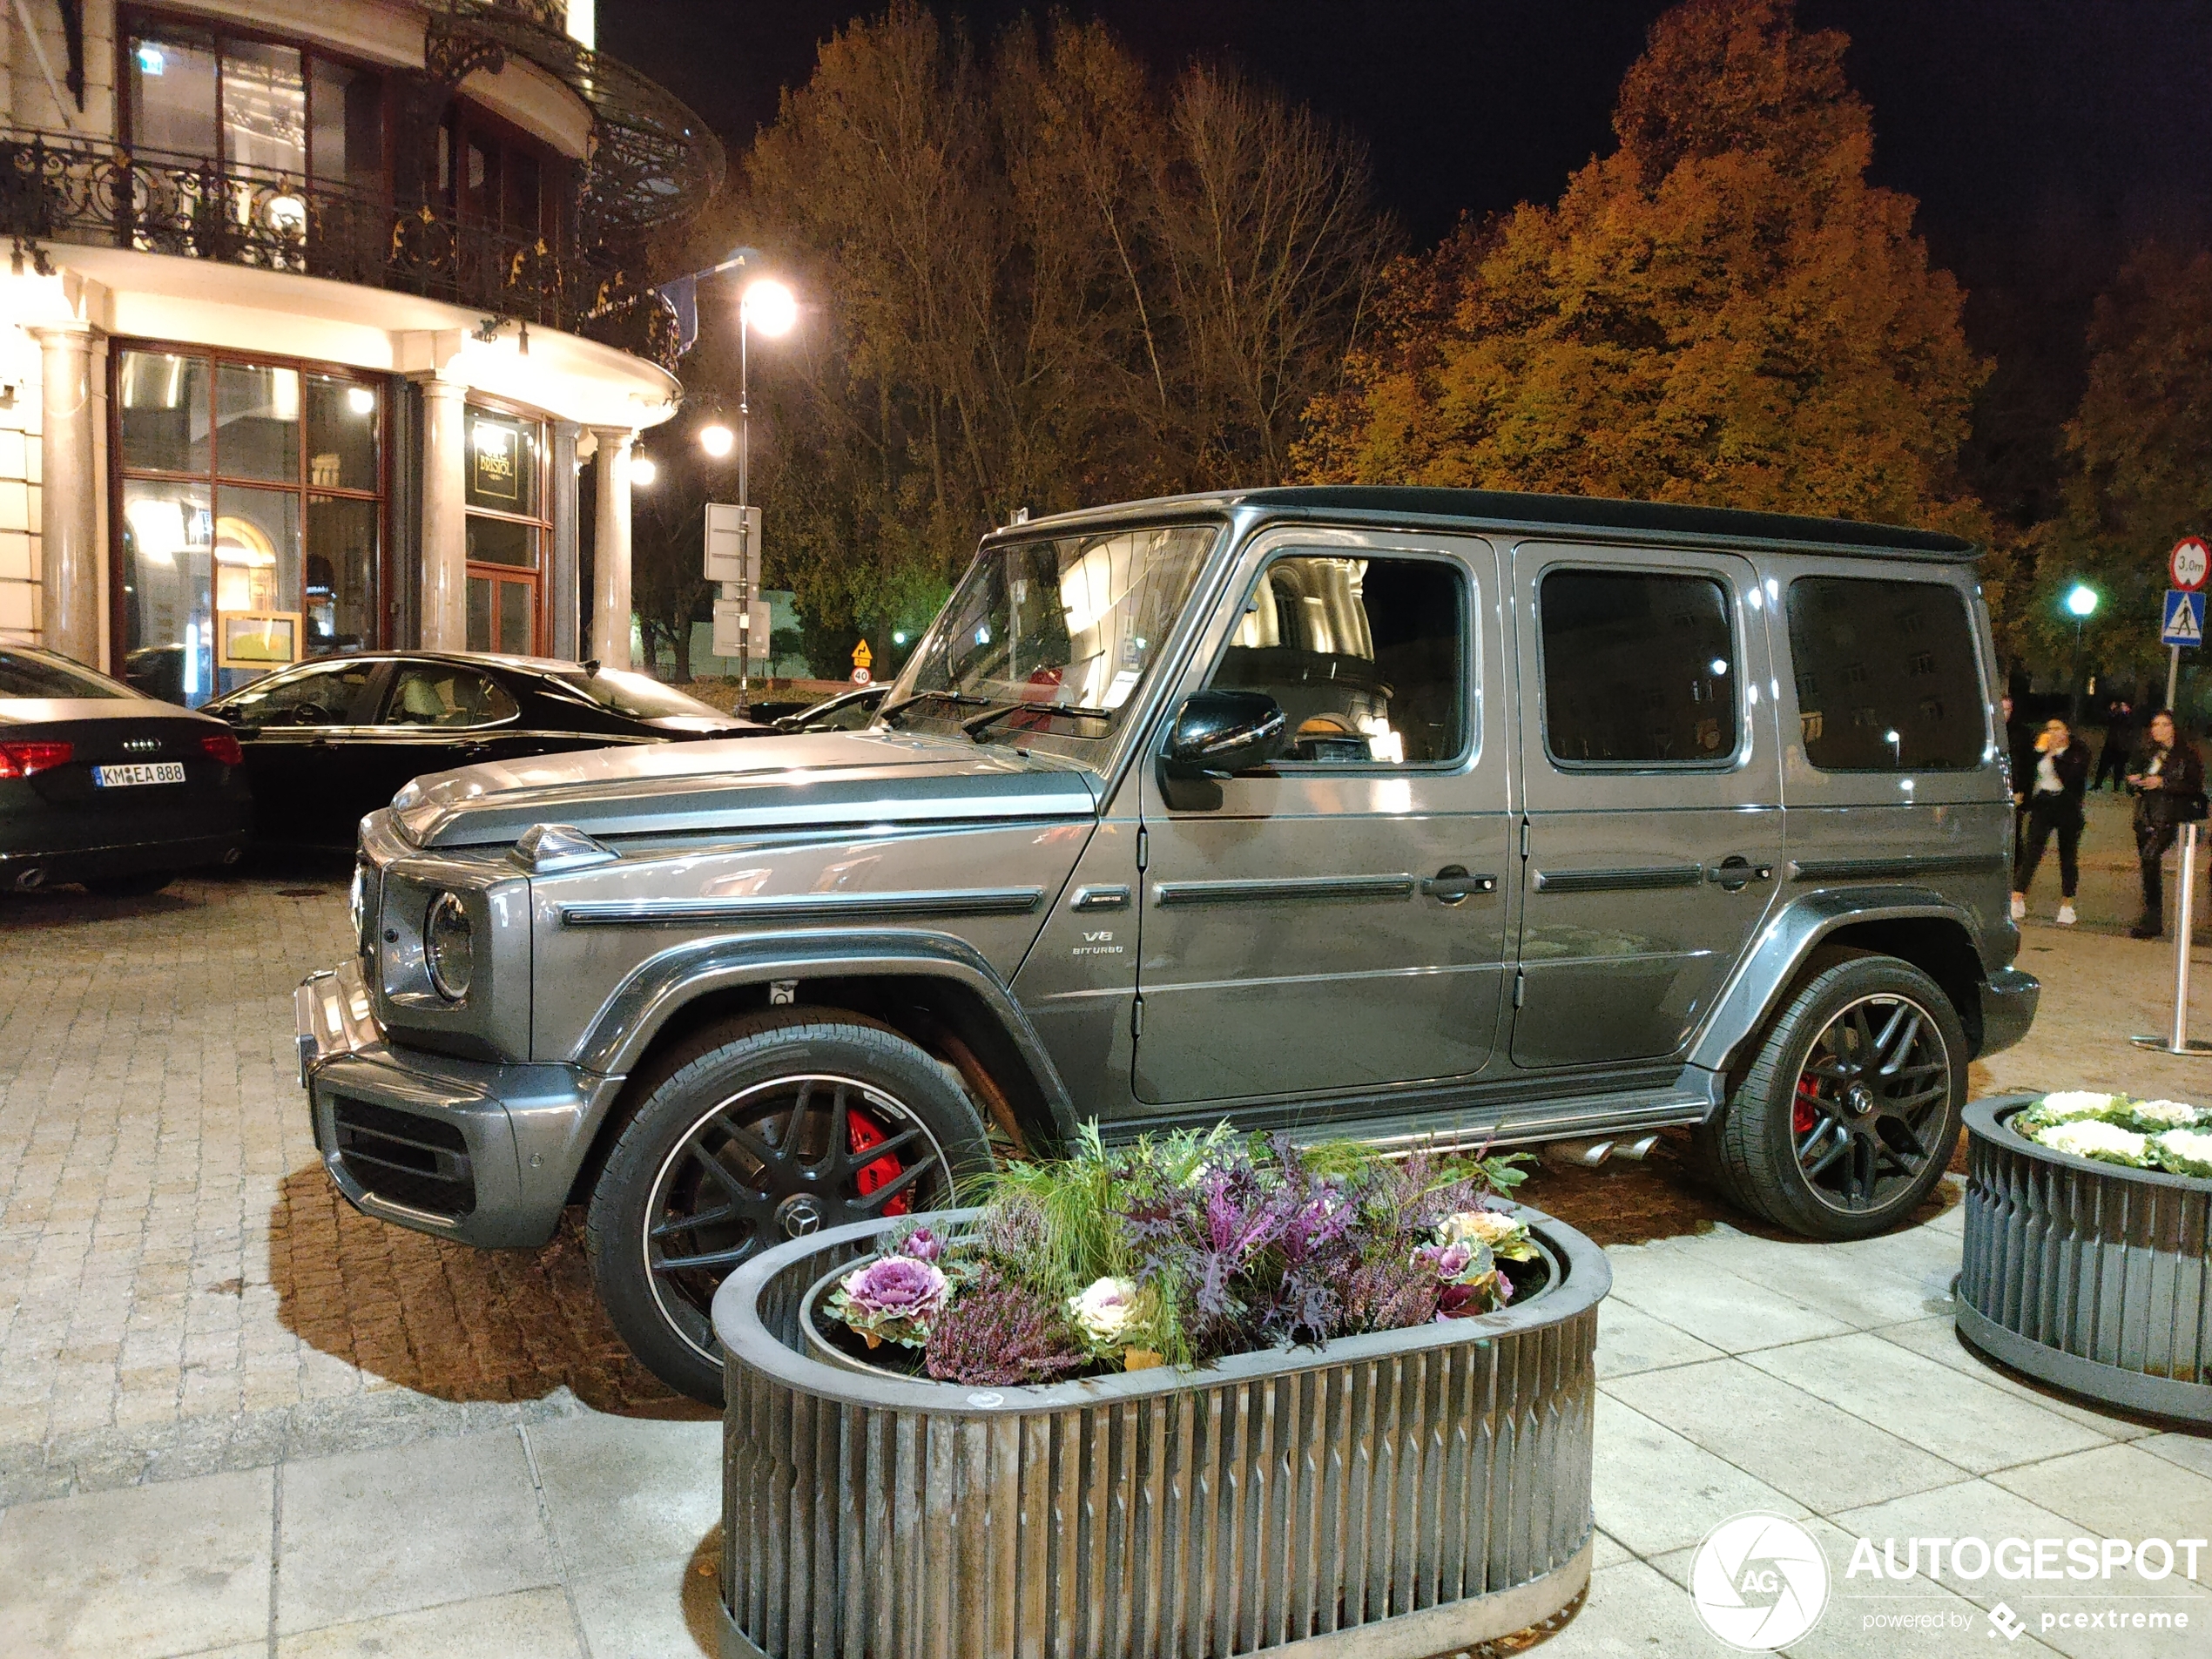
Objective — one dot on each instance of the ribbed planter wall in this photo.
(2091, 1276)
(1391, 1496)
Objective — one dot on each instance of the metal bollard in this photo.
(2178, 1040)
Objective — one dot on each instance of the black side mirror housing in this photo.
(1218, 734)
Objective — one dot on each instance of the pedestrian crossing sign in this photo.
(2184, 622)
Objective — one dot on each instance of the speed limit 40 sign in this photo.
(2189, 563)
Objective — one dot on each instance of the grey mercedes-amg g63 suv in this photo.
(1404, 814)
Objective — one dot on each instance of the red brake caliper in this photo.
(1805, 1109)
(864, 1132)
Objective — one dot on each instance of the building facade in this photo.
(314, 311)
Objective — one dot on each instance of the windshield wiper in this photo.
(974, 727)
(886, 711)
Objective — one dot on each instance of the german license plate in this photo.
(145, 771)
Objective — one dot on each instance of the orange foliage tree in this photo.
(1722, 311)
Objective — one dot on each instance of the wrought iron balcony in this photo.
(60, 187)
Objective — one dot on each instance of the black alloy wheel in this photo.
(1869, 1102)
(781, 1160)
(751, 1134)
(1849, 1114)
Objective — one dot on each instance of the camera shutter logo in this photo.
(1758, 1581)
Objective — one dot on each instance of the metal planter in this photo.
(2091, 1276)
(1390, 1496)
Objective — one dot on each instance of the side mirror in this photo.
(1218, 734)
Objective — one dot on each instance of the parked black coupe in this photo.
(102, 784)
(331, 740)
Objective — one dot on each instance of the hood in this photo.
(743, 784)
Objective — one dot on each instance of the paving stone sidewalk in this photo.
(181, 1289)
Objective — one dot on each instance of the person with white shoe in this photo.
(2055, 792)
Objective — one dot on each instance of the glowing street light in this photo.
(768, 306)
(718, 440)
(643, 470)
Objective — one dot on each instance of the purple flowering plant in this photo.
(1183, 1248)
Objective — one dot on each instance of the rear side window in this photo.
(1885, 672)
(440, 695)
(1639, 669)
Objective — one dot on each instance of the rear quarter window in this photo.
(1885, 674)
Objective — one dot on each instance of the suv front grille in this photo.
(420, 1162)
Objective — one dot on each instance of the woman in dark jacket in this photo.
(2053, 790)
(2167, 783)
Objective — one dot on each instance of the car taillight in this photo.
(224, 747)
(21, 759)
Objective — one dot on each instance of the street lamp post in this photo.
(768, 306)
(2081, 604)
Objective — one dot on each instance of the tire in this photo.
(142, 885)
(1818, 1140)
(731, 1146)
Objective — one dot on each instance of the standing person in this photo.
(2054, 791)
(2167, 783)
(2113, 759)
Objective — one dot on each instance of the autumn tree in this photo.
(1723, 310)
(2139, 464)
(1034, 278)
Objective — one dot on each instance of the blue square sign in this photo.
(2184, 624)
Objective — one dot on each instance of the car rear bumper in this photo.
(2008, 1002)
(473, 1151)
(35, 868)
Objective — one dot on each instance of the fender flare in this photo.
(1790, 935)
(663, 984)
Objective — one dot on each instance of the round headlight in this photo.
(449, 947)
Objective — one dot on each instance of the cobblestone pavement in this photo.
(181, 1290)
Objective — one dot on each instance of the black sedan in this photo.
(102, 784)
(334, 739)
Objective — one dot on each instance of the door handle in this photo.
(1453, 885)
(1735, 872)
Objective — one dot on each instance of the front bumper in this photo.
(471, 1151)
(2007, 1008)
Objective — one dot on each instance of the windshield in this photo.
(639, 696)
(1071, 624)
(25, 673)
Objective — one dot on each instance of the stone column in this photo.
(445, 522)
(610, 550)
(563, 564)
(69, 505)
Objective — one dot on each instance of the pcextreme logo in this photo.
(1758, 1581)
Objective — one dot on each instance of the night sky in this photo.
(2041, 137)
(2013, 121)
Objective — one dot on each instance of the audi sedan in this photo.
(105, 785)
(329, 741)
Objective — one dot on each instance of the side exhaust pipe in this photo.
(1588, 1155)
(32, 879)
(1578, 1155)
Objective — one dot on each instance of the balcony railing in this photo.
(61, 188)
